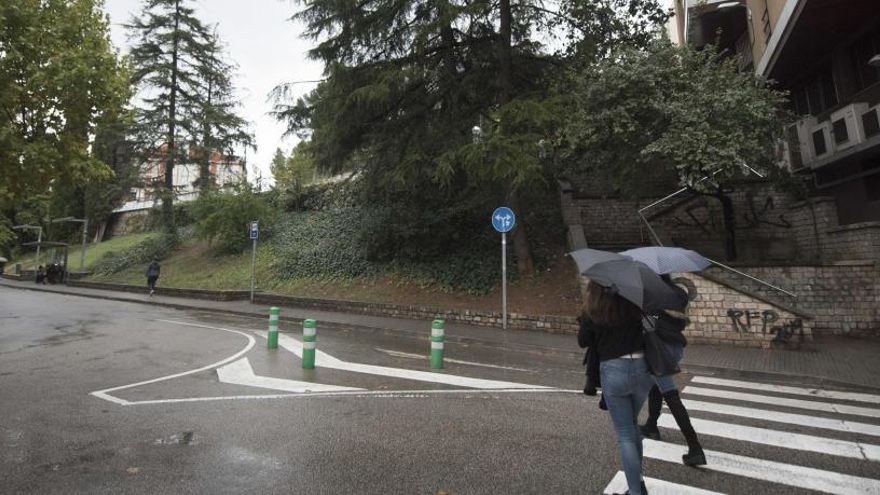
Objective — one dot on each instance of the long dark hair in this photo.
(606, 308)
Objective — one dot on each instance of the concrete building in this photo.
(826, 53)
(225, 170)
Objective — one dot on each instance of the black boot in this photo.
(655, 402)
(695, 455)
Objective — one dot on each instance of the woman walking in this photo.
(669, 327)
(612, 327)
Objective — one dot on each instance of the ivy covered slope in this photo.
(319, 241)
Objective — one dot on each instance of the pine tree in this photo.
(407, 80)
(186, 92)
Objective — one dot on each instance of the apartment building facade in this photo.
(826, 54)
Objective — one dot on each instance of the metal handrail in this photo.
(716, 263)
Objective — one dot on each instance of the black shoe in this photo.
(602, 405)
(651, 432)
(694, 458)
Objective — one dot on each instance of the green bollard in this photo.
(310, 337)
(273, 327)
(437, 336)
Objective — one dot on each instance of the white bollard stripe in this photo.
(310, 332)
(763, 436)
(437, 332)
(655, 487)
(774, 472)
(783, 401)
(781, 417)
(436, 345)
(273, 318)
(811, 392)
(309, 345)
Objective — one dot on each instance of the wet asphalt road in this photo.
(199, 435)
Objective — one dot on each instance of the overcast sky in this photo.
(265, 46)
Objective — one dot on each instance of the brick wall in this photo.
(724, 315)
(843, 297)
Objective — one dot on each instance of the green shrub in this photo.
(158, 246)
(223, 218)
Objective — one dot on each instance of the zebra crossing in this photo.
(806, 430)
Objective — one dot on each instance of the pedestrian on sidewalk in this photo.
(153, 275)
(613, 328)
(41, 276)
(669, 326)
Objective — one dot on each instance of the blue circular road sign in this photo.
(503, 219)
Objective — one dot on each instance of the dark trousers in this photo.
(151, 282)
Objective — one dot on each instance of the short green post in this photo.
(310, 337)
(273, 327)
(437, 336)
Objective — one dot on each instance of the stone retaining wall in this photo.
(723, 315)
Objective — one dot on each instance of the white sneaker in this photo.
(151, 292)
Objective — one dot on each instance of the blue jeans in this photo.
(625, 385)
(666, 383)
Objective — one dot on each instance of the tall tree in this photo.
(407, 80)
(185, 94)
(59, 78)
(675, 110)
(222, 130)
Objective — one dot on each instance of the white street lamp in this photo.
(85, 222)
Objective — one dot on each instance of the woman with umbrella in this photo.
(669, 327)
(620, 291)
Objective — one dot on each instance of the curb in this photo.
(768, 376)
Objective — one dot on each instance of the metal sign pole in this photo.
(82, 254)
(504, 280)
(253, 268)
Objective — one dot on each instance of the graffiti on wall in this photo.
(751, 321)
(753, 214)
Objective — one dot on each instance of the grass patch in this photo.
(94, 252)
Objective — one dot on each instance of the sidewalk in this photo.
(827, 362)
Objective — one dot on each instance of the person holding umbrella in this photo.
(669, 326)
(620, 291)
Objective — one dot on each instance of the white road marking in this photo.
(324, 360)
(448, 360)
(811, 392)
(655, 487)
(786, 440)
(105, 394)
(241, 373)
(397, 394)
(781, 417)
(784, 401)
(775, 472)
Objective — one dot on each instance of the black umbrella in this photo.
(637, 283)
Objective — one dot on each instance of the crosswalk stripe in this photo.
(811, 392)
(655, 487)
(784, 401)
(786, 440)
(781, 417)
(775, 472)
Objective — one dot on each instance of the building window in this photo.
(860, 53)
(872, 187)
(814, 94)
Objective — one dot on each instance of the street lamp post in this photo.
(39, 230)
(85, 222)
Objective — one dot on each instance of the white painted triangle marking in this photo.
(785, 440)
(241, 373)
(774, 472)
(784, 401)
(324, 360)
(655, 487)
(782, 389)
